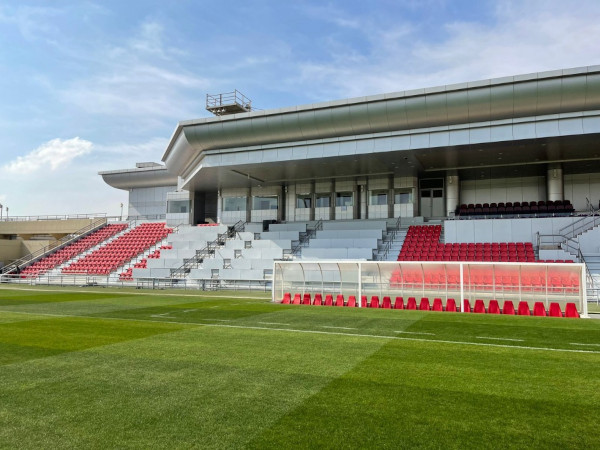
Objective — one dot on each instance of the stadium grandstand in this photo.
(485, 191)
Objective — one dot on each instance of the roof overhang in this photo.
(140, 177)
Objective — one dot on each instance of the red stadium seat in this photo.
(399, 303)
(424, 304)
(297, 299)
(411, 303)
(523, 309)
(351, 302)
(328, 300)
(467, 305)
(555, 310)
(508, 308)
(363, 301)
(286, 298)
(450, 305)
(374, 302)
(387, 302)
(539, 309)
(318, 301)
(339, 300)
(493, 307)
(306, 299)
(479, 307)
(437, 304)
(571, 310)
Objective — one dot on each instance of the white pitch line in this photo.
(214, 320)
(273, 323)
(190, 310)
(330, 333)
(499, 339)
(414, 332)
(580, 343)
(340, 328)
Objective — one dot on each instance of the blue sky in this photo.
(87, 86)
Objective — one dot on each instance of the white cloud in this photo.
(521, 37)
(52, 155)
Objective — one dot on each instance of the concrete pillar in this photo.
(554, 182)
(452, 193)
(219, 205)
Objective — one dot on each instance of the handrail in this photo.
(388, 243)
(55, 245)
(52, 217)
(307, 236)
(592, 218)
(207, 251)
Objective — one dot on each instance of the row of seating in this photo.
(535, 208)
(127, 275)
(493, 307)
(422, 244)
(486, 279)
(116, 253)
(67, 252)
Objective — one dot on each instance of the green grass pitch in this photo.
(101, 368)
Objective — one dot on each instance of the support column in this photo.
(452, 193)
(554, 182)
(219, 205)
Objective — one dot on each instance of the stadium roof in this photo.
(483, 129)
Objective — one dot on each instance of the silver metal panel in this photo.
(502, 133)
(591, 124)
(572, 93)
(436, 109)
(457, 106)
(419, 141)
(592, 95)
(479, 104)
(546, 128)
(342, 121)
(359, 116)
(479, 135)
(549, 95)
(459, 137)
(439, 139)
(525, 99)
(378, 119)
(524, 131)
(502, 101)
(416, 112)
(570, 126)
(396, 113)
(401, 142)
(365, 146)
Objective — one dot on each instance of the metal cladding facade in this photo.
(534, 103)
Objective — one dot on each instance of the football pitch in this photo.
(103, 368)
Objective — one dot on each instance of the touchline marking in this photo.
(330, 333)
(414, 332)
(499, 339)
(273, 323)
(580, 343)
(214, 320)
(340, 328)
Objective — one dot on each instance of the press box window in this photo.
(379, 198)
(323, 201)
(262, 203)
(234, 204)
(303, 201)
(178, 206)
(402, 197)
(343, 199)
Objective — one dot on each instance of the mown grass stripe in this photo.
(333, 333)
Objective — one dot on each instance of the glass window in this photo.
(234, 203)
(178, 206)
(344, 199)
(303, 201)
(379, 198)
(323, 201)
(438, 193)
(261, 203)
(402, 197)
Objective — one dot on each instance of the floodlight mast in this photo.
(228, 103)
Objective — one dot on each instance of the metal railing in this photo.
(306, 237)
(55, 245)
(208, 251)
(52, 217)
(382, 255)
(228, 98)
